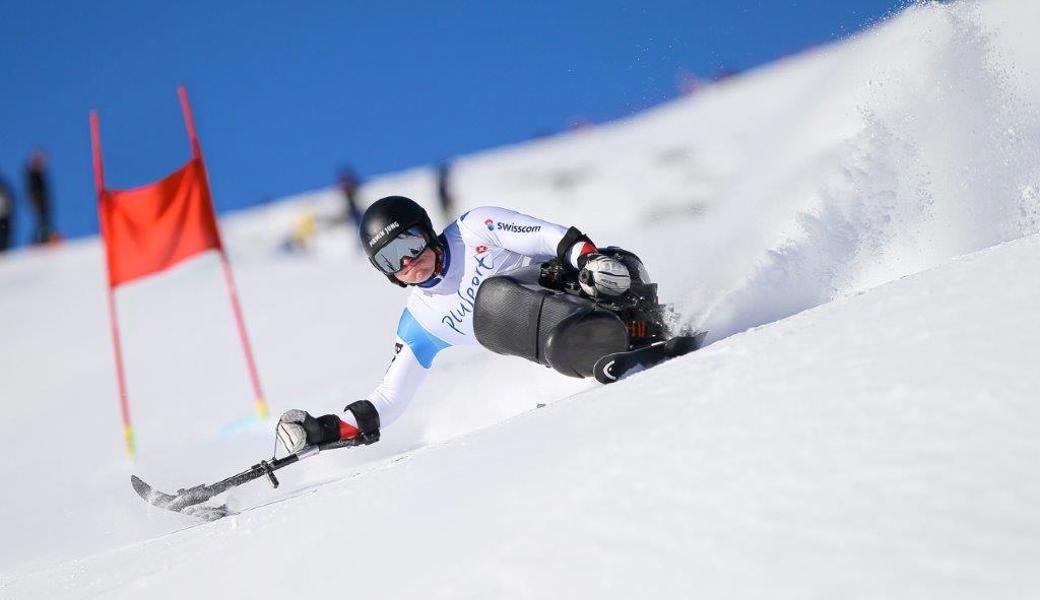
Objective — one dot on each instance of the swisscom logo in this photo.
(490, 224)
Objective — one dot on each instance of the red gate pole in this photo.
(99, 184)
(196, 152)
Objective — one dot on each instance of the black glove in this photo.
(297, 429)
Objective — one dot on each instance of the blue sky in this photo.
(284, 93)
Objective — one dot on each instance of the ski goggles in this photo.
(409, 244)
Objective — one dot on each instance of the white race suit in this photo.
(483, 242)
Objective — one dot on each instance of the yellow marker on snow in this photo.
(128, 435)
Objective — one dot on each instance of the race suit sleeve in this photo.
(520, 233)
(414, 350)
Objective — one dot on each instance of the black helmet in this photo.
(389, 218)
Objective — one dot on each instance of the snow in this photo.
(858, 228)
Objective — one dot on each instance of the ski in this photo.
(193, 501)
(619, 365)
(184, 501)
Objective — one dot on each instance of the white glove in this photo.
(292, 436)
(604, 276)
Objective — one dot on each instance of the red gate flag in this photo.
(153, 227)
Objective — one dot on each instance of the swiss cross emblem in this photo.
(481, 249)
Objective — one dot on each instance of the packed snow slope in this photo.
(864, 424)
(883, 445)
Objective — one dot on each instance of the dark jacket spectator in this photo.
(349, 184)
(6, 214)
(444, 194)
(37, 187)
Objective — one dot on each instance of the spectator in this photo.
(6, 214)
(349, 184)
(39, 196)
(444, 190)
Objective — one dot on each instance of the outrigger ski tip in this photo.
(184, 501)
(619, 365)
(192, 501)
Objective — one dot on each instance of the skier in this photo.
(515, 284)
(38, 188)
(445, 272)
